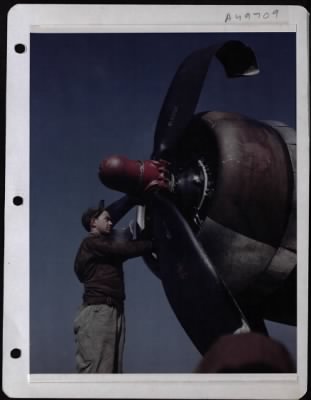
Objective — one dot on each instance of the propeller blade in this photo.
(184, 91)
(119, 208)
(199, 298)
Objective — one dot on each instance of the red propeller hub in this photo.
(134, 176)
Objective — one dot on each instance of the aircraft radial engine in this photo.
(220, 201)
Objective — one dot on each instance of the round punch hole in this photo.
(20, 48)
(18, 200)
(16, 353)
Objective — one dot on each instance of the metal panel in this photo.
(289, 240)
(253, 187)
(287, 133)
(282, 264)
(238, 259)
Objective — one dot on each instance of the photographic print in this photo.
(162, 205)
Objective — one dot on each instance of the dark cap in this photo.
(91, 213)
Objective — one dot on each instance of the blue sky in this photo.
(93, 95)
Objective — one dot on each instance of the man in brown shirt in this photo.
(100, 325)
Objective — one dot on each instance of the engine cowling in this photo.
(242, 206)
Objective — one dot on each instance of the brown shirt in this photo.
(99, 266)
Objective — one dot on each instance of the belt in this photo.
(109, 301)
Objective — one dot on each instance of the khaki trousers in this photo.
(99, 335)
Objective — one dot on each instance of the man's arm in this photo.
(124, 249)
